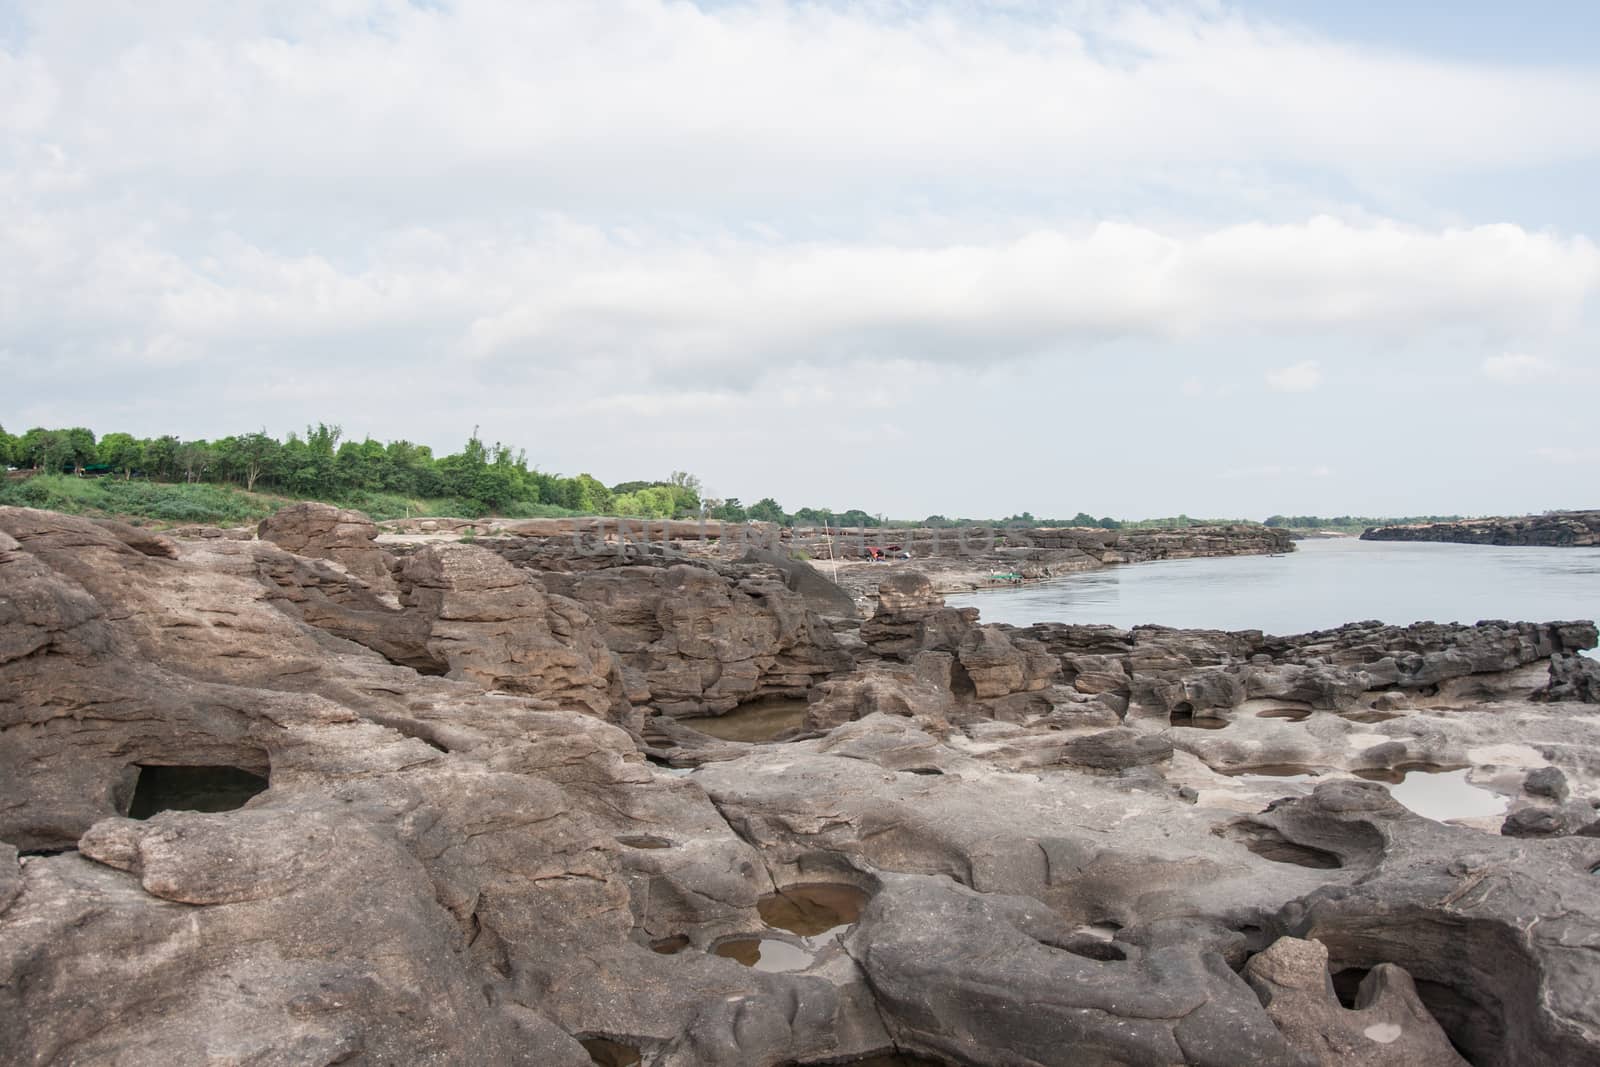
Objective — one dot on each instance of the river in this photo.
(1322, 584)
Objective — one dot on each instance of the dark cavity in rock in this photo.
(610, 1053)
(1183, 715)
(1347, 983)
(644, 841)
(1269, 844)
(192, 789)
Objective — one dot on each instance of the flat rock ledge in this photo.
(320, 797)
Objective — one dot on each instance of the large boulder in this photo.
(1388, 1026)
(820, 595)
(488, 621)
(322, 531)
(695, 642)
(991, 979)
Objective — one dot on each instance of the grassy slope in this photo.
(163, 504)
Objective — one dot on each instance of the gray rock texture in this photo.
(323, 798)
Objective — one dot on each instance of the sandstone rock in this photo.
(1556, 528)
(471, 862)
(140, 540)
(692, 642)
(1547, 782)
(819, 594)
(321, 531)
(1482, 923)
(1572, 677)
(1116, 749)
(1389, 1024)
(877, 690)
(988, 979)
(495, 624)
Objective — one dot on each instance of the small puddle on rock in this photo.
(1275, 773)
(759, 720)
(1291, 714)
(816, 914)
(1437, 793)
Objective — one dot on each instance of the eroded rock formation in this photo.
(1565, 529)
(317, 798)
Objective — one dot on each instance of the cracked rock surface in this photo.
(314, 798)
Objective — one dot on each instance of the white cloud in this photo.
(698, 215)
(1517, 368)
(1300, 378)
(676, 95)
(649, 302)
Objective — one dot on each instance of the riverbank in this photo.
(1554, 529)
(456, 801)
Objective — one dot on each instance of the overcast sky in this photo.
(1226, 259)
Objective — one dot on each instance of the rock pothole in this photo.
(192, 788)
(805, 920)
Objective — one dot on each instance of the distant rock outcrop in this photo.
(1558, 529)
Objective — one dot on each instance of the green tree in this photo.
(768, 510)
(729, 510)
(8, 449)
(587, 494)
(195, 459)
(45, 450)
(257, 454)
(122, 452)
(161, 457)
(80, 448)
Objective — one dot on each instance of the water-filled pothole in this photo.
(1275, 774)
(814, 914)
(1437, 792)
(1371, 716)
(608, 1053)
(759, 720)
(1289, 714)
(208, 788)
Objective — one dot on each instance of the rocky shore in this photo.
(1564, 529)
(553, 798)
(955, 559)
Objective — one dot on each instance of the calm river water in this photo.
(1321, 584)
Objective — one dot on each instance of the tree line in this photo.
(480, 479)
(322, 464)
(1347, 522)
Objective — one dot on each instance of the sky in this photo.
(1136, 259)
